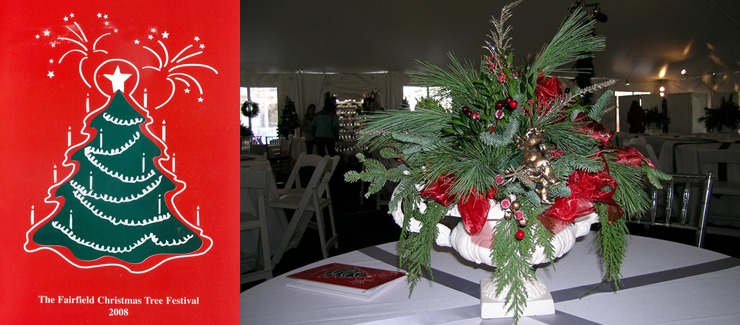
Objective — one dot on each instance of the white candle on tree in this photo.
(55, 173)
(69, 136)
(146, 96)
(197, 216)
(164, 131)
(32, 213)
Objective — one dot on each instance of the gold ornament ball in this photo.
(523, 222)
(507, 215)
(516, 205)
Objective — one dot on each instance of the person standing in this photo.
(307, 129)
(326, 127)
(636, 118)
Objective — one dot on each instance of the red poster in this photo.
(119, 162)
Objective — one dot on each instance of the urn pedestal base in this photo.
(539, 302)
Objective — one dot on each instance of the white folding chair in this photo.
(683, 203)
(304, 202)
(294, 179)
(252, 190)
(325, 202)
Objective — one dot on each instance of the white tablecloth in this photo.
(682, 156)
(664, 282)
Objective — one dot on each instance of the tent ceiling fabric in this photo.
(642, 37)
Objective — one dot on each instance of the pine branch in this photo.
(383, 129)
(457, 81)
(600, 107)
(630, 194)
(655, 176)
(566, 136)
(574, 41)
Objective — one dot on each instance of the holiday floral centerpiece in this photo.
(515, 142)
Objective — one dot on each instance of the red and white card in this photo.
(120, 190)
(347, 280)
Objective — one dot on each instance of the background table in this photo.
(663, 282)
(682, 156)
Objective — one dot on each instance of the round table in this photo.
(662, 282)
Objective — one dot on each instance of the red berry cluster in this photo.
(511, 209)
(470, 113)
(510, 102)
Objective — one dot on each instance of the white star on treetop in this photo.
(118, 79)
(136, 42)
(187, 90)
(196, 39)
(200, 99)
(165, 34)
(100, 15)
(50, 74)
(47, 32)
(202, 46)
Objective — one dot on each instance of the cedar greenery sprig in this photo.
(611, 241)
(416, 248)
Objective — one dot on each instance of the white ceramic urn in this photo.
(477, 248)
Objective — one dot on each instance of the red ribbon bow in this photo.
(473, 207)
(439, 190)
(594, 129)
(586, 188)
(632, 156)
